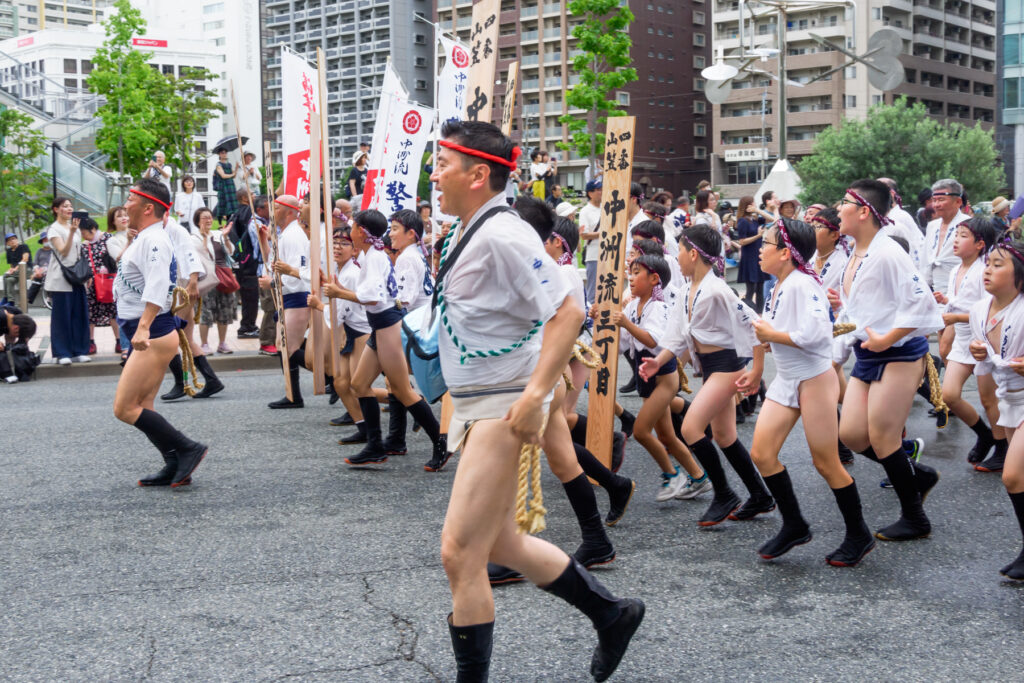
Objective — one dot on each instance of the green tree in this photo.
(186, 108)
(603, 66)
(900, 141)
(131, 88)
(24, 187)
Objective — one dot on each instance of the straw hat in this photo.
(999, 204)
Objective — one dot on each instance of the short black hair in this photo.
(985, 229)
(26, 326)
(650, 230)
(372, 221)
(706, 238)
(636, 190)
(569, 232)
(1018, 266)
(199, 212)
(410, 220)
(485, 137)
(88, 223)
(875, 193)
(538, 213)
(801, 236)
(154, 188)
(651, 206)
(655, 264)
(647, 246)
(259, 202)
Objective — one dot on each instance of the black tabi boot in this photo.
(332, 393)
(995, 462)
(343, 421)
(167, 439)
(499, 575)
(166, 475)
(373, 453)
(858, 541)
(294, 362)
(725, 499)
(1015, 570)
(472, 647)
(795, 530)
(925, 477)
(760, 501)
(358, 436)
(579, 431)
(425, 418)
(394, 444)
(178, 390)
(913, 523)
(984, 442)
(596, 548)
(614, 619)
(620, 489)
(213, 384)
(440, 456)
(845, 454)
(627, 420)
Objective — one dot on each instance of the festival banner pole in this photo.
(511, 81)
(483, 60)
(328, 205)
(281, 336)
(618, 172)
(316, 328)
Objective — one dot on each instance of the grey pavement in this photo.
(282, 563)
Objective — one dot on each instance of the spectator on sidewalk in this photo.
(187, 202)
(43, 256)
(17, 253)
(247, 260)
(159, 170)
(69, 319)
(117, 221)
(16, 328)
(218, 308)
(253, 177)
(224, 184)
(94, 250)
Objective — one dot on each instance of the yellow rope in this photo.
(579, 349)
(842, 328)
(934, 386)
(568, 382)
(530, 521)
(188, 363)
(684, 381)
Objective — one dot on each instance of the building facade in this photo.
(670, 47)
(1011, 98)
(949, 56)
(37, 15)
(357, 38)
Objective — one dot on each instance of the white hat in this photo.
(565, 209)
(356, 156)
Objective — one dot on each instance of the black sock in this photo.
(848, 501)
(160, 432)
(983, 431)
(925, 390)
(706, 454)
(579, 432)
(901, 475)
(594, 469)
(177, 371)
(1002, 445)
(1018, 506)
(869, 453)
(781, 487)
(584, 504)
(298, 358)
(203, 366)
(579, 588)
(424, 416)
(371, 418)
(740, 461)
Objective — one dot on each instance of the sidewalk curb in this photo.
(235, 362)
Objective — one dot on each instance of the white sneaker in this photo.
(82, 359)
(13, 379)
(694, 487)
(63, 361)
(670, 485)
(205, 349)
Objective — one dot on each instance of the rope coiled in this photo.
(188, 362)
(530, 518)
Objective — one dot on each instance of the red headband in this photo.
(484, 155)
(150, 197)
(824, 222)
(290, 206)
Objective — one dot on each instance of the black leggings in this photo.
(755, 296)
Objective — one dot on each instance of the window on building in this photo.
(421, 61)
(213, 25)
(167, 69)
(699, 62)
(70, 66)
(700, 129)
(1012, 11)
(219, 42)
(745, 173)
(851, 72)
(419, 39)
(1011, 49)
(86, 66)
(70, 82)
(213, 8)
(698, 18)
(622, 98)
(698, 84)
(876, 99)
(700, 152)
(1011, 93)
(421, 84)
(850, 101)
(698, 39)
(699, 107)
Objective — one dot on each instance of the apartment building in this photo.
(357, 37)
(948, 56)
(1010, 135)
(36, 15)
(671, 42)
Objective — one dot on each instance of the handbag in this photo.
(226, 281)
(208, 280)
(103, 283)
(77, 274)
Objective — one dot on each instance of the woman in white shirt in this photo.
(187, 202)
(69, 320)
(218, 307)
(707, 202)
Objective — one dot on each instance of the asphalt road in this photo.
(282, 563)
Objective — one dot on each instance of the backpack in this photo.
(22, 362)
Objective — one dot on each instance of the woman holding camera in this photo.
(69, 319)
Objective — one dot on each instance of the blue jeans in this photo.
(591, 285)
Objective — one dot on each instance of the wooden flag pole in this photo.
(511, 81)
(328, 206)
(316, 327)
(483, 51)
(281, 336)
(618, 173)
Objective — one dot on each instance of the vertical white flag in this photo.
(392, 94)
(299, 97)
(452, 81)
(402, 163)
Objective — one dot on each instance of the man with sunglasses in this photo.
(938, 259)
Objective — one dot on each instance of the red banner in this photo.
(149, 42)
